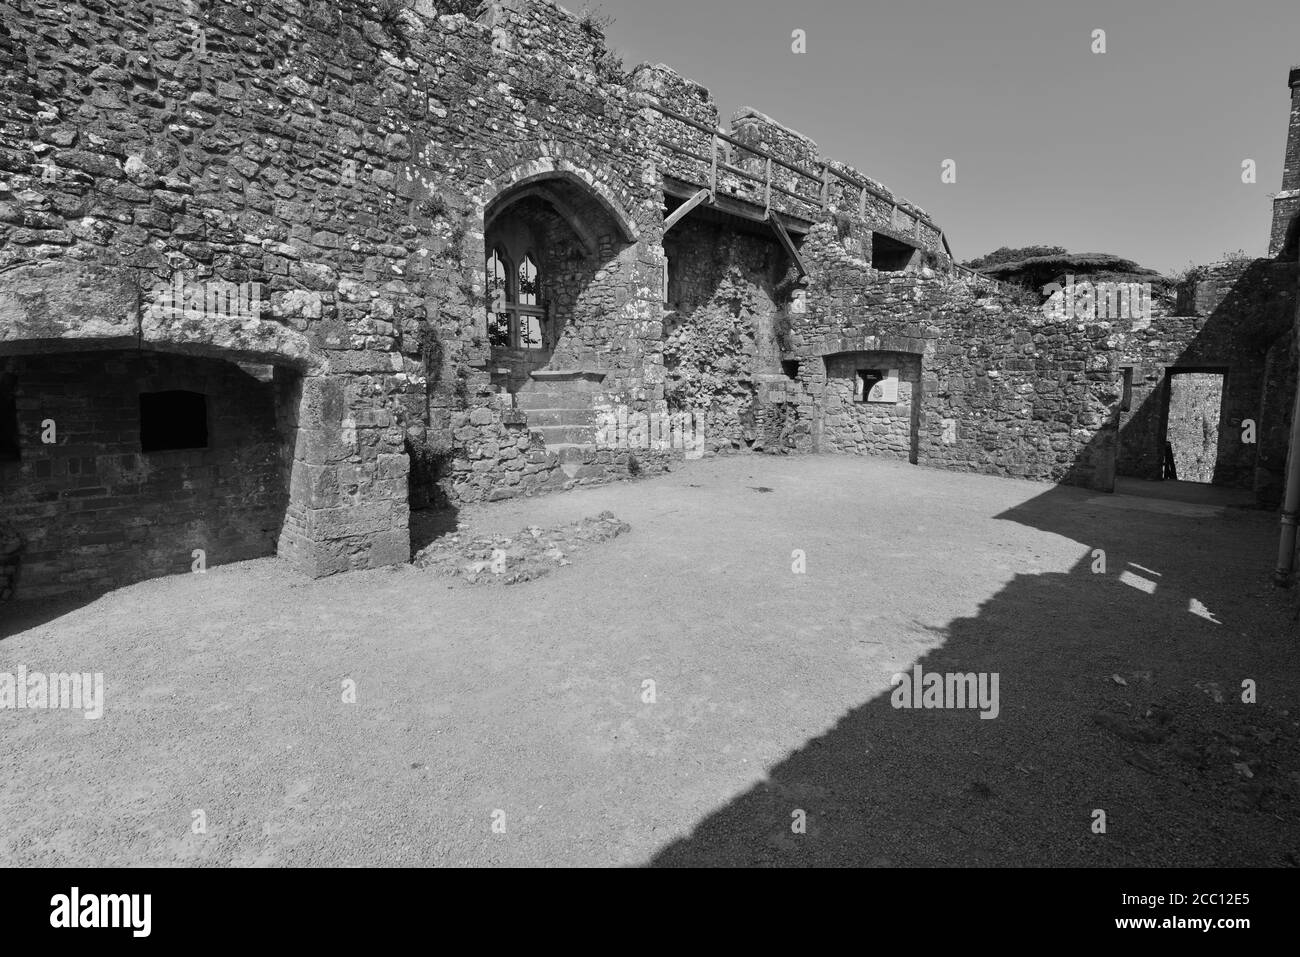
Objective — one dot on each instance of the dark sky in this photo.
(1137, 151)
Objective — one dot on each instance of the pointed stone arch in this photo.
(561, 171)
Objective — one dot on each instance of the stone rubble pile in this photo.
(530, 553)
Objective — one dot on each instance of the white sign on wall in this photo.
(886, 390)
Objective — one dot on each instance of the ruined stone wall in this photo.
(1004, 389)
(870, 428)
(720, 331)
(342, 155)
(346, 156)
(862, 203)
(94, 511)
(1235, 318)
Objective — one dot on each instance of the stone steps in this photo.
(554, 435)
(549, 417)
(551, 400)
(562, 418)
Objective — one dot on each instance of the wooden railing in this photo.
(821, 178)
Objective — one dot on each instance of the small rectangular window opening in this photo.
(8, 424)
(175, 419)
(888, 254)
(866, 381)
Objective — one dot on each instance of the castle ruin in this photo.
(458, 241)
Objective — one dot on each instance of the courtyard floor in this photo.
(524, 705)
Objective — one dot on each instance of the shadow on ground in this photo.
(430, 524)
(1119, 691)
(19, 616)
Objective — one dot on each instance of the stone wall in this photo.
(1004, 388)
(721, 329)
(851, 423)
(827, 189)
(347, 157)
(1235, 318)
(342, 155)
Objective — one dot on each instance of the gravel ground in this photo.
(524, 704)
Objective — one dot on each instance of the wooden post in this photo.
(767, 186)
(713, 175)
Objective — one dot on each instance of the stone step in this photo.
(571, 451)
(565, 434)
(552, 400)
(540, 417)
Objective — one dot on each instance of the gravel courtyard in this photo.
(524, 704)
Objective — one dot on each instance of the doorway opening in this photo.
(1193, 421)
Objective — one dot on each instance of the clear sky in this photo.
(1137, 151)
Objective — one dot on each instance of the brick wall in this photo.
(94, 511)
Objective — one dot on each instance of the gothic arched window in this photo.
(499, 296)
(528, 281)
(517, 317)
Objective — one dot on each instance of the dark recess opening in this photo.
(790, 367)
(889, 255)
(8, 425)
(173, 420)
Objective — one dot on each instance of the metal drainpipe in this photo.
(1291, 506)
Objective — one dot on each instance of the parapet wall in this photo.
(833, 190)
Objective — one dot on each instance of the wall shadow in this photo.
(25, 614)
(1246, 335)
(895, 787)
(889, 786)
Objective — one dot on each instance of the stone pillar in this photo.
(348, 505)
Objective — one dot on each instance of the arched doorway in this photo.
(554, 259)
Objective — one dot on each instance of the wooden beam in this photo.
(734, 206)
(788, 243)
(675, 216)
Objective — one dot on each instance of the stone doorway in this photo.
(872, 404)
(1193, 424)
